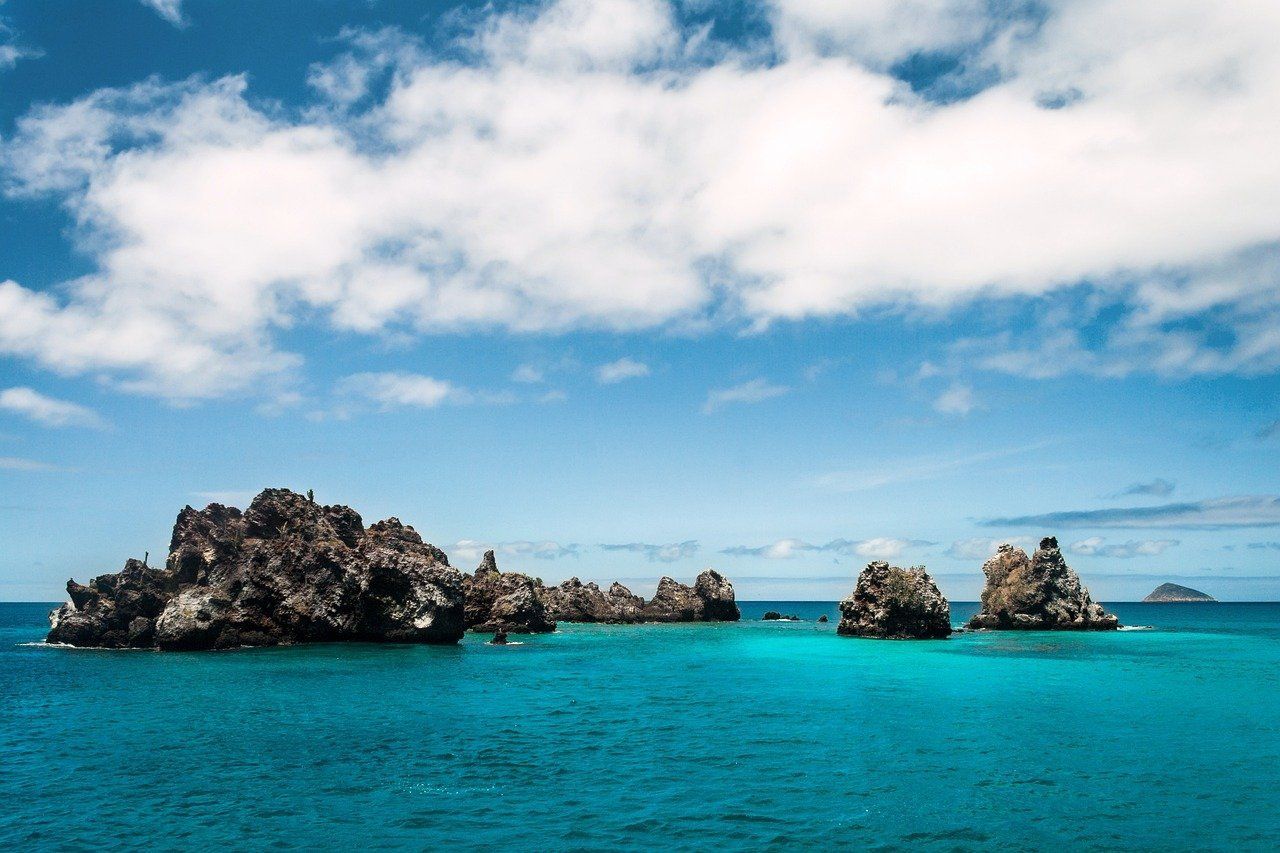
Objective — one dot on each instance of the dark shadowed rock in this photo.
(574, 601)
(1176, 592)
(823, 618)
(505, 601)
(1040, 593)
(710, 599)
(499, 638)
(894, 603)
(775, 616)
(285, 571)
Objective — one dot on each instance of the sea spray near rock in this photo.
(894, 603)
(1037, 593)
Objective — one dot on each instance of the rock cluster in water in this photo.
(893, 603)
(1176, 592)
(1037, 593)
(775, 616)
(505, 601)
(287, 570)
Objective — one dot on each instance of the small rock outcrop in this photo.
(505, 601)
(286, 570)
(823, 618)
(710, 599)
(1037, 593)
(1176, 592)
(775, 616)
(499, 638)
(893, 603)
(574, 601)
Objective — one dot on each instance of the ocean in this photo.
(692, 737)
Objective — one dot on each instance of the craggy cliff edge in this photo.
(288, 570)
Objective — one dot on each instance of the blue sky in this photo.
(627, 288)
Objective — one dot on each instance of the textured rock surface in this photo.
(894, 603)
(505, 601)
(775, 616)
(286, 570)
(1037, 593)
(1176, 592)
(574, 601)
(710, 599)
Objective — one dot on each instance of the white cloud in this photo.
(622, 369)
(754, 391)
(528, 373)
(170, 10)
(35, 406)
(11, 49)
(1095, 546)
(591, 161)
(956, 400)
(472, 550)
(16, 463)
(980, 548)
(394, 389)
(668, 553)
(880, 548)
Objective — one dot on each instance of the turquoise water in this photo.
(752, 735)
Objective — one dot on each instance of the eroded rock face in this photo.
(505, 601)
(286, 570)
(1037, 593)
(574, 601)
(893, 603)
(710, 599)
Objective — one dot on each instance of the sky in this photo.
(629, 288)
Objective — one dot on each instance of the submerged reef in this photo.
(893, 603)
(1037, 593)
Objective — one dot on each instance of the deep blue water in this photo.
(751, 735)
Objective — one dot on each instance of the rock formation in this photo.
(1176, 592)
(286, 570)
(823, 618)
(775, 616)
(574, 601)
(1037, 594)
(505, 601)
(499, 638)
(710, 599)
(893, 603)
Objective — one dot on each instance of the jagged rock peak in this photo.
(1038, 593)
(286, 570)
(710, 599)
(895, 603)
(505, 601)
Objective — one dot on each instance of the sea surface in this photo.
(757, 735)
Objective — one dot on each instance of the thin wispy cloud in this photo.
(472, 550)
(170, 10)
(1216, 514)
(879, 548)
(981, 547)
(754, 391)
(620, 370)
(49, 411)
(1268, 431)
(1158, 487)
(666, 553)
(17, 463)
(916, 470)
(957, 400)
(528, 374)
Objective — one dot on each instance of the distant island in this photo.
(1176, 592)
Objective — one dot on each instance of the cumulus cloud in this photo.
(391, 390)
(667, 553)
(1095, 546)
(753, 391)
(33, 405)
(472, 550)
(1158, 487)
(596, 164)
(617, 371)
(981, 547)
(1215, 514)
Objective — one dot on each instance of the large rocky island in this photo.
(289, 570)
(1167, 592)
(1037, 593)
(893, 603)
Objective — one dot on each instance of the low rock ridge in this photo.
(287, 570)
(1176, 592)
(1037, 593)
(710, 599)
(574, 601)
(894, 603)
(507, 602)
